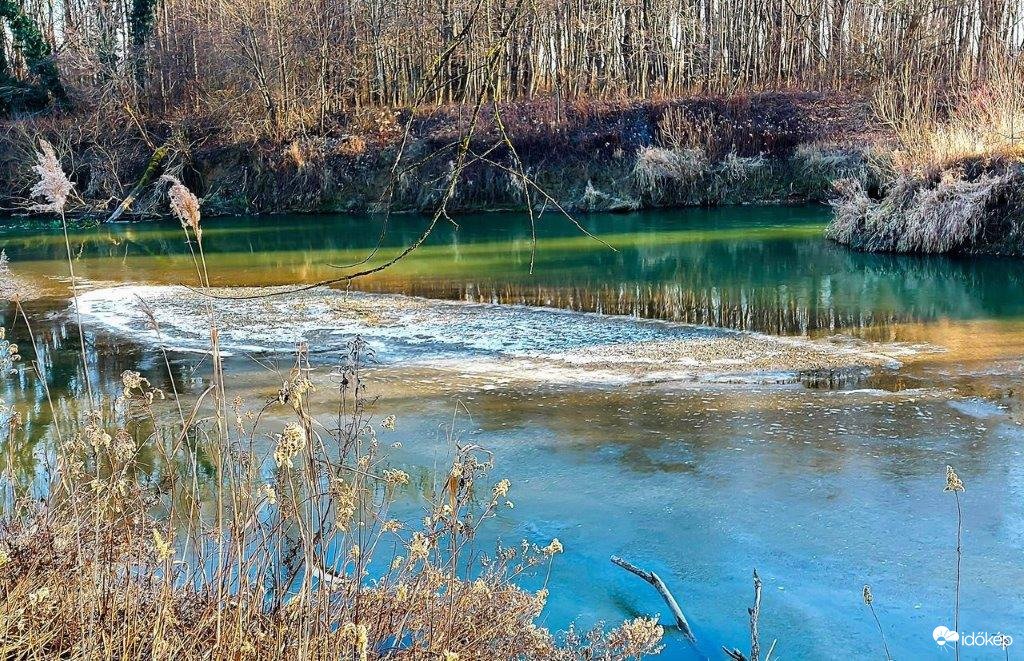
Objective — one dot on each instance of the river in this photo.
(823, 480)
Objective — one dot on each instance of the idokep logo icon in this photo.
(943, 635)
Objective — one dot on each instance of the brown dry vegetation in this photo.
(604, 146)
(954, 179)
(155, 542)
(265, 105)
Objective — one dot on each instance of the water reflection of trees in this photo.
(714, 267)
(782, 285)
(809, 288)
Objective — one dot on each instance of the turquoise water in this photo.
(759, 268)
(822, 487)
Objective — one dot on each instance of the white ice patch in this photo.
(976, 407)
(540, 342)
(326, 319)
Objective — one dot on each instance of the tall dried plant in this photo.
(869, 601)
(55, 187)
(955, 486)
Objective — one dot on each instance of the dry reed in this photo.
(189, 536)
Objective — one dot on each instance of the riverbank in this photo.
(588, 156)
(953, 180)
(949, 181)
(972, 207)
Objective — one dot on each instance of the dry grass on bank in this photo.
(953, 180)
(154, 542)
(936, 130)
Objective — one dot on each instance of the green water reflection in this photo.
(756, 268)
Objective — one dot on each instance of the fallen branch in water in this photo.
(663, 590)
(755, 639)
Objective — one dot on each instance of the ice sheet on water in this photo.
(451, 334)
(975, 407)
(326, 319)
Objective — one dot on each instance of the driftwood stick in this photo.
(755, 612)
(755, 638)
(662, 589)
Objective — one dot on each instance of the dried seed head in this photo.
(637, 638)
(289, 443)
(953, 481)
(53, 184)
(123, 446)
(419, 547)
(357, 635)
(132, 380)
(344, 497)
(270, 494)
(868, 597)
(554, 547)
(164, 550)
(184, 204)
(395, 477)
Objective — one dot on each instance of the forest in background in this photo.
(282, 65)
(882, 107)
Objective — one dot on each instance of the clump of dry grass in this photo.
(687, 176)
(679, 128)
(818, 166)
(954, 213)
(936, 131)
(352, 146)
(952, 181)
